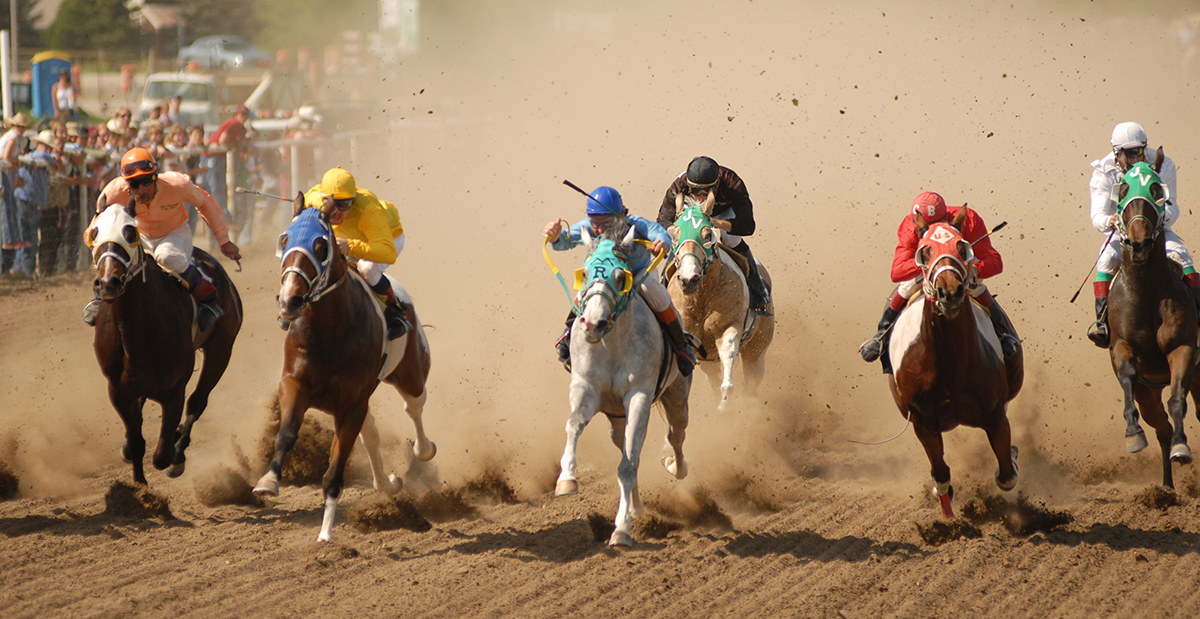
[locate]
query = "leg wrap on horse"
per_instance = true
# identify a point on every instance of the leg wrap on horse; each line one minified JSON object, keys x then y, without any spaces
{"x":760,"y":293}
{"x":201,"y":287}
{"x":683,"y":346}
{"x":393,"y":309}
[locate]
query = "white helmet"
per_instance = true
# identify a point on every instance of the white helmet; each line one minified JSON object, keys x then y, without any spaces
{"x":1128,"y":135}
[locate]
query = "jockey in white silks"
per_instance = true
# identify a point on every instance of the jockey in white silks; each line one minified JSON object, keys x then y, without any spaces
{"x":1129,"y":147}
{"x":604,"y":209}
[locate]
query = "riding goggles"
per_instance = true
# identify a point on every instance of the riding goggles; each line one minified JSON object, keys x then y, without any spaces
{"x":138,"y":182}
{"x":137,"y":168}
{"x":343,"y":205}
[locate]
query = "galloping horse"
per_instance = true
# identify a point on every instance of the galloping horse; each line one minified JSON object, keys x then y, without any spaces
{"x":621,"y":364}
{"x":1153,"y":322}
{"x":145,"y":340}
{"x":335,"y":354}
{"x":709,"y":288}
{"x":948,"y":366}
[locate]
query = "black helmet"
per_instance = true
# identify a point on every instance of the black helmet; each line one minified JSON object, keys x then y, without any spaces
{"x":702,"y":172}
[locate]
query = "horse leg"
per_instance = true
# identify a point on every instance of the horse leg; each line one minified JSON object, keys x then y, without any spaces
{"x":172,"y":412}
{"x":584,"y":404}
{"x":616,"y":433}
{"x":216,"y":359}
{"x":931,"y":440}
{"x":414,"y":405}
{"x":1000,"y":437}
{"x":637,"y":407}
{"x":346,"y":427}
{"x":675,"y":403}
{"x":1182,"y":375}
{"x":369,"y":435}
{"x":753,"y":370}
{"x":293,"y":403}
{"x":1122,"y":361}
{"x":1149,"y":401}
{"x":727,"y":349}
{"x":129,"y":408}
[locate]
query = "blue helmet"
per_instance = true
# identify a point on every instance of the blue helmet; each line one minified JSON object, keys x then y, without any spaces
{"x":605,"y":201}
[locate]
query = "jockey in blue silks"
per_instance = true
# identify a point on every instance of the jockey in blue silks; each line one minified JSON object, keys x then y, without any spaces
{"x":604,"y":209}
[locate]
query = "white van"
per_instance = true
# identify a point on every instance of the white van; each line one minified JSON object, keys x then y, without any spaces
{"x":200,"y":99}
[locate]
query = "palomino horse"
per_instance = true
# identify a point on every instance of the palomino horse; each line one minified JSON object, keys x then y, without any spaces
{"x":948,"y":366}
{"x":709,"y":289}
{"x":335,"y":354}
{"x":619,"y":364}
{"x":1153,"y":319}
{"x":145,"y":340}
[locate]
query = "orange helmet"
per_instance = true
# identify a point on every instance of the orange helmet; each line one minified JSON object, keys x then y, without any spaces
{"x":137,"y":162}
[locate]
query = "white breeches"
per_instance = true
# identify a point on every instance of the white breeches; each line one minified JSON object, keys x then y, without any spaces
{"x":372,"y":271}
{"x":654,"y":293}
{"x":1110,"y":252}
{"x":910,"y":287}
{"x":730,"y":240}
{"x":173,"y":250}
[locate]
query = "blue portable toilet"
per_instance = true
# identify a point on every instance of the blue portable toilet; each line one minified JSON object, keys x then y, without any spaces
{"x":46,"y":67}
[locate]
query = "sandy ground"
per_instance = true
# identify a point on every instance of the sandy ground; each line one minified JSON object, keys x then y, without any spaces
{"x":836,"y":116}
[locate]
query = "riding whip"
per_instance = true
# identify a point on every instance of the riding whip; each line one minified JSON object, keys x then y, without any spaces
{"x":609,"y":209}
{"x":1089,"y":275}
{"x":998,"y":227}
{"x":259,"y":193}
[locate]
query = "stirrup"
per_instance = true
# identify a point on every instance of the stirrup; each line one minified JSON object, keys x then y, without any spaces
{"x":1009,"y":344}
{"x":397,"y":322}
{"x":209,"y":312}
{"x":89,"y":312}
{"x":686,"y":362}
{"x":872,"y":348}
{"x":1098,"y":334}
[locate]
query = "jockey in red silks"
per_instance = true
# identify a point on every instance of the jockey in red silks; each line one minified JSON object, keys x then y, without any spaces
{"x":907,"y":274}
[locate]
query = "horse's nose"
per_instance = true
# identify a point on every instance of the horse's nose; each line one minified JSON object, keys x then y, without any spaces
{"x":107,"y":287}
{"x":293,"y":304}
{"x":602,"y":325}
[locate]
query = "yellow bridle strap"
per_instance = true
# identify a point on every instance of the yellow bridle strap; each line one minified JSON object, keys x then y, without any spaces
{"x":546,"y":255}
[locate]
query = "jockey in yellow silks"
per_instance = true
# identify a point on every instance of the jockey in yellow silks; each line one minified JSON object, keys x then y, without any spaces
{"x":367,"y":229}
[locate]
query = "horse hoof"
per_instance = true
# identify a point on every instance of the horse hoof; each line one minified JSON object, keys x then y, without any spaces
{"x":175,"y":470}
{"x":391,"y":485}
{"x":267,"y":487}
{"x":566,"y":487}
{"x":324,"y":537}
{"x":678,"y":468}
{"x":620,"y":538}
{"x":1181,"y":454}
{"x":423,"y":457}
{"x":1136,"y":443}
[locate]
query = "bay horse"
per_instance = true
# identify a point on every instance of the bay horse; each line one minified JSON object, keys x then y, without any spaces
{"x":620,"y":365}
{"x":709,"y":289}
{"x":335,"y":354}
{"x":1153,"y":322}
{"x":948,"y":366}
{"x":146,"y":342}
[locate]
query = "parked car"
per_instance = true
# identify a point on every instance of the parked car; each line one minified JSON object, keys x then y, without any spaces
{"x":224,"y":52}
{"x":199,"y":97}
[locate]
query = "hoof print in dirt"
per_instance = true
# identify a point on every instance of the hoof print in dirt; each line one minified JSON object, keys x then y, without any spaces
{"x":602,"y":527}
{"x":1020,"y":518}
{"x":938,"y":532}
{"x":126,"y":500}
{"x":9,"y":486}
{"x":1157,"y":497}
{"x":377,"y":513}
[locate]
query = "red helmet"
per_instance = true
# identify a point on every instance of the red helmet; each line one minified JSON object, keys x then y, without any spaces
{"x":930,"y":206}
{"x":137,"y":162}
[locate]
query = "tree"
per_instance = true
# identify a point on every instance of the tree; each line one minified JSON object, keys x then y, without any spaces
{"x":27,"y":30}
{"x":209,"y":17}
{"x":312,"y":23}
{"x":95,"y":25}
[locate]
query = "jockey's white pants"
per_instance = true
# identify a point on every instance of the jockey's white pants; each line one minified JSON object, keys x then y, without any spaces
{"x":1110,"y":252}
{"x":173,"y":250}
{"x":730,"y":240}
{"x":372,"y":271}
{"x":910,"y":287}
{"x":653,"y":292}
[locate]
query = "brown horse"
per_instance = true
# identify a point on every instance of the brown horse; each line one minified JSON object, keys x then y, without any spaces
{"x":335,"y":354}
{"x":145,"y":340}
{"x":948,"y":366}
{"x":1153,"y":321}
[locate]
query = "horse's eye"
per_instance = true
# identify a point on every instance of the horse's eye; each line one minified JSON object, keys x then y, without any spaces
{"x":321,"y":249}
{"x":706,"y":234}
{"x":91,"y":236}
{"x":131,"y":234}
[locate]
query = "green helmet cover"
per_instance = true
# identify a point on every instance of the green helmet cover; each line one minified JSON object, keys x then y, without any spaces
{"x":1140,"y":178}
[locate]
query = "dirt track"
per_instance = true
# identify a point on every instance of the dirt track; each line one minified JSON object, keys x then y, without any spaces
{"x":836,"y":118}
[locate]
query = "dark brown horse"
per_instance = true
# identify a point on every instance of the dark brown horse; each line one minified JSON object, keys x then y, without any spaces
{"x":1153,"y":322}
{"x":145,"y":341}
{"x":335,"y":355}
{"x":948,"y":366}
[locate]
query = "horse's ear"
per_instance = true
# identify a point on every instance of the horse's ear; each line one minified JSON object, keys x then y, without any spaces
{"x":922,"y":256}
{"x":678,"y":204}
{"x":1156,"y":192}
{"x":298,"y":204}
{"x":629,"y":236}
{"x":1158,"y":160}
{"x":957,"y":221}
{"x":673,"y":231}
{"x":101,"y":204}
{"x":709,"y":202}
{"x":1122,"y":191}
{"x":920,"y":225}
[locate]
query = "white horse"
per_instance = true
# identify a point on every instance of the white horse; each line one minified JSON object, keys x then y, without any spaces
{"x":617,"y":350}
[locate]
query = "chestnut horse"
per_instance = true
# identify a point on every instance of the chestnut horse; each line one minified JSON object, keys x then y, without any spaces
{"x":145,"y":339}
{"x":1153,"y":321}
{"x":335,"y":354}
{"x":948,"y":366}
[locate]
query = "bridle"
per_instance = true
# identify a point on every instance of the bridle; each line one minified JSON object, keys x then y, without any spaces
{"x":130,"y":256}
{"x":594,"y":279}
{"x":691,"y":224}
{"x":949,"y":246}
{"x":319,"y":284}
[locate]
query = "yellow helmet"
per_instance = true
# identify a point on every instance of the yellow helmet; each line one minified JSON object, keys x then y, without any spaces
{"x":338,"y":184}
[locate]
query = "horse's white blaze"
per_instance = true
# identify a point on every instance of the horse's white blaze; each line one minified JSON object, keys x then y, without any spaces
{"x":326,"y":533}
{"x":689,"y":267}
{"x":908,"y":328}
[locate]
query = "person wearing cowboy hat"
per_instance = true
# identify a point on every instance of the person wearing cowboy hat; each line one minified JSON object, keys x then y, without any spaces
{"x":32,"y":195}
{"x":12,"y":145}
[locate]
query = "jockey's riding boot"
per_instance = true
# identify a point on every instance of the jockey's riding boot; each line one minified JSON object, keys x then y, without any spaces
{"x":90,"y":310}
{"x":1195,"y":297}
{"x":563,"y":345}
{"x":680,"y":340}
{"x":872,"y":348}
{"x":760,"y":293}
{"x":1098,"y":332}
{"x":206,"y":296}
{"x":1009,"y":344}
{"x":393,"y":309}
